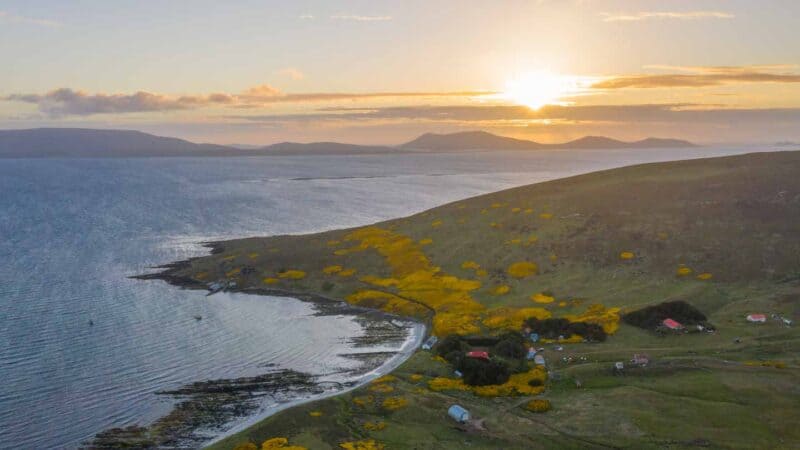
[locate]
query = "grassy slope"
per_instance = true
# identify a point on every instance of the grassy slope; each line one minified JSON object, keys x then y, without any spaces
{"x":734,"y":217}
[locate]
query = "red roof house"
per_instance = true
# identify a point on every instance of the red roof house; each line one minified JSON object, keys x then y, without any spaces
{"x":671,"y":324}
{"x":756,"y":318}
{"x":479,"y":355}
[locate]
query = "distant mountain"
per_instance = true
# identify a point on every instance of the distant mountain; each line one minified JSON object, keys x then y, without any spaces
{"x":80,"y":142}
{"x":324,"y":148}
{"x":474,"y":140}
{"x":89,"y":143}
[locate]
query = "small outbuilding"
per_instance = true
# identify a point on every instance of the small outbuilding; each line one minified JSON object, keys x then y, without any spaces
{"x":539,"y":360}
{"x":430,"y":343}
{"x":757,"y":318}
{"x":531,"y":353}
{"x":672,"y":324}
{"x":458,"y":413}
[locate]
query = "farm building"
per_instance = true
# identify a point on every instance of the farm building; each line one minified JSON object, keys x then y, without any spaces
{"x":478,"y":354}
{"x":672,"y":324}
{"x":757,"y":318}
{"x":539,"y":360}
{"x":640,"y":359}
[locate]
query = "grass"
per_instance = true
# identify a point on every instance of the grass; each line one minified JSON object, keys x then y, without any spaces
{"x":735,"y":218}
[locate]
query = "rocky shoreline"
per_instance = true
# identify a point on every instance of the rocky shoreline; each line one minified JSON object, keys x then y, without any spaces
{"x":204,"y":410}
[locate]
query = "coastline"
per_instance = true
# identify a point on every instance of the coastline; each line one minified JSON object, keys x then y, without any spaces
{"x":413,"y":343}
{"x":205,"y":427}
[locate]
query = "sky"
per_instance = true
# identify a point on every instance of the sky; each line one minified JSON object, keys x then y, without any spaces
{"x":379,"y":72}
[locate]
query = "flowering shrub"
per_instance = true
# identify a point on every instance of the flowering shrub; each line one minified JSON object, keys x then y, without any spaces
{"x":501,"y":290}
{"x":704,"y":276}
{"x":518,"y":384}
{"x":381,"y":388}
{"x":361,"y":445}
{"x":516,"y":210}
{"x":436,"y":223}
{"x":529,"y":211}
{"x":363,"y":400}
{"x":416,"y":377}
{"x":470,"y":265}
{"x":246,"y":446}
{"x":374,"y":426}
{"x":414,"y":277}
{"x":347,"y":272}
{"x":506,"y":318}
{"x":683,"y":271}
{"x":608,"y":318}
{"x":233,"y":272}
{"x":546,"y":216}
{"x":522,"y":269}
{"x":292,"y":274}
{"x":315,"y":414}
{"x":333,"y":243}
{"x":426,"y":241}
{"x":271,"y":280}
{"x":542,"y":298}
{"x":332,"y":269}
{"x":279,"y":443}
{"x":395,"y":403}
{"x":538,"y":405}
{"x":627,"y":255}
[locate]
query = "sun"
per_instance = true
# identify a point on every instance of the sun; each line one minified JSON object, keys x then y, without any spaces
{"x":536,"y":89}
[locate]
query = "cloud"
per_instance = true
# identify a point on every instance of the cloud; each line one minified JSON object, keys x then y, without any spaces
{"x":703,"y":76}
{"x":293,"y":73}
{"x":359,"y":18}
{"x":64,"y":101}
{"x":305,"y":17}
{"x":70,"y":102}
{"x":609,"y":114}
{"x":8,"y":17}
{"x":677,"y":15}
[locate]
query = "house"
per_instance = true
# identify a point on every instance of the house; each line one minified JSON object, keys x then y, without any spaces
{"x":458,"y":413}
{"x":671,"y":324}
{"x":756,"y":318}
{"x":534,"y":337}
{"x":478,"y":355}
{"x":640,"y":359}
{"x":430,"y":343}
{"x":539,"y":360}
{"x":531,"y":353}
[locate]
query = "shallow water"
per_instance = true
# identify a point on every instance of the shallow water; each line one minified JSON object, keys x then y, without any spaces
{"x":72,"y":231}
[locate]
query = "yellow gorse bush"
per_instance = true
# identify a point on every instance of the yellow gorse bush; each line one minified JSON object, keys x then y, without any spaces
{"x":683,"y":271}
{"x":292,"y":274}
{"x":332,"y":269}
{"x":705,"y":276}
{"x":542,"y":298}
{"x":414,"y":277}
{"x":522,"y":269}
{"x":361,"y":445}
{"x":506,"y":318}
{"x":375,"y":426}
{"x":387,"y":302}
{"x":538,"y":405}
{"x":394,"y":403}
{"x":608,"y":318}
{"x":501,"y":290}
{"x":315,"y":413}
{"x":518,"y":384}
{"x":271,"y":280}
{"x":279,"y":443}
{"x":627,"y":255}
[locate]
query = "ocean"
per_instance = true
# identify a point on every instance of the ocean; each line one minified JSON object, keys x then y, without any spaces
{"x":84,"y":348}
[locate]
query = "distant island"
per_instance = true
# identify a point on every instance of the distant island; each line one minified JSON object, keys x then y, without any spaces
{"x":473,"y":140}
{"x":92,"y":143}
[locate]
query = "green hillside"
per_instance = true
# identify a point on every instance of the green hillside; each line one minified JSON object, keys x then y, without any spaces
{"x":720,"y":234}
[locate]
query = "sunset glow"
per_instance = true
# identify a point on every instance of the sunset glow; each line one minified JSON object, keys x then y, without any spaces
{"x":536,"y":89}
